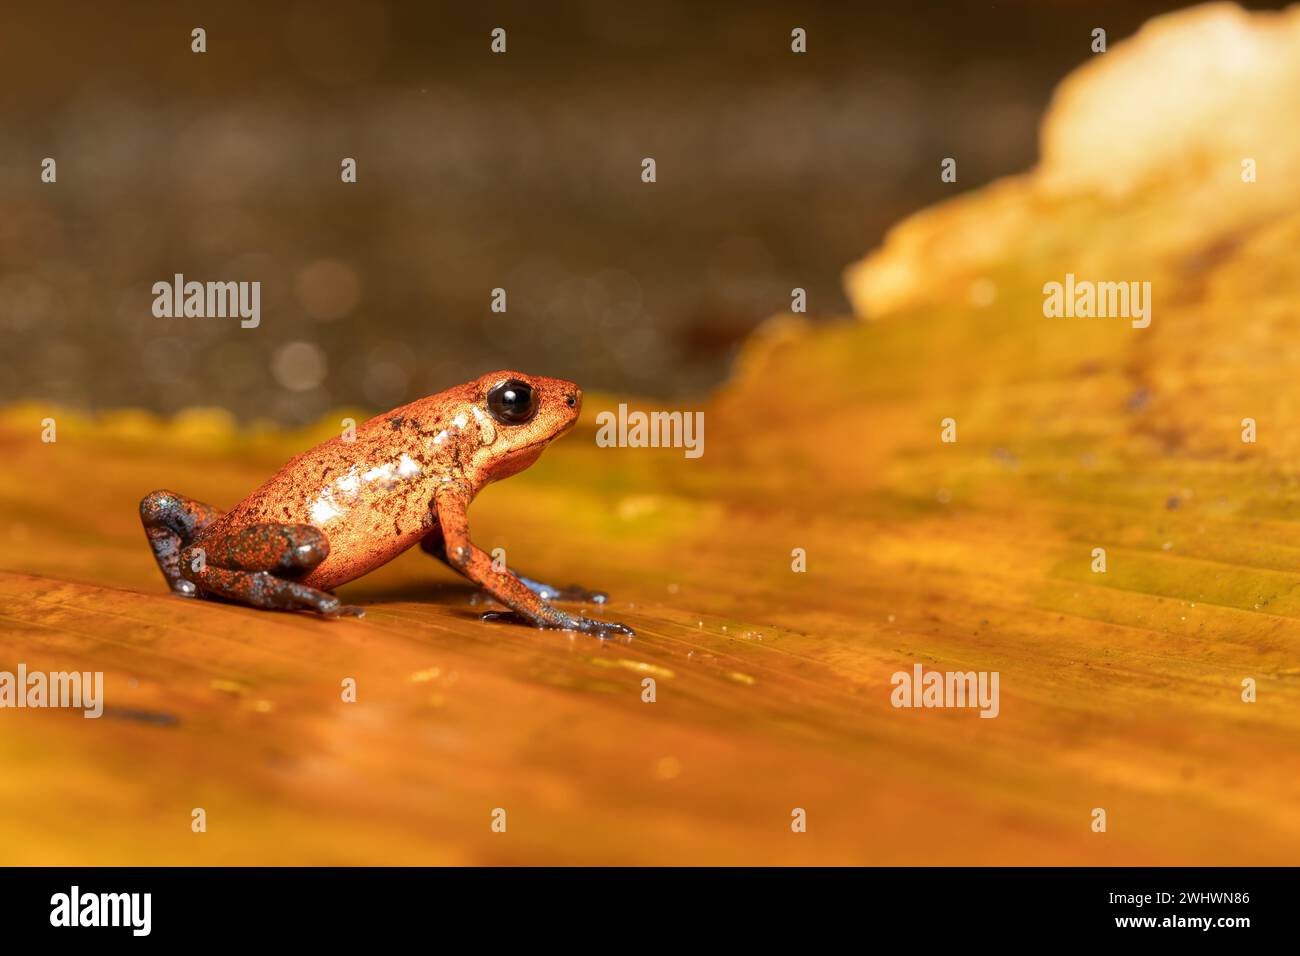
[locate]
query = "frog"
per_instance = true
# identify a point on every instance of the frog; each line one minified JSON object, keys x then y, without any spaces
{"x":352,"y":504}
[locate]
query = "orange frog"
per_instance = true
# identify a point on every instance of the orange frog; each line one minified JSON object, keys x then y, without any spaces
{"x":346,"y":507}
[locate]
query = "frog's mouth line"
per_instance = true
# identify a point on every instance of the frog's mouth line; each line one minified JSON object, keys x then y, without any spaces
{"x":573,"y":422}
{"x":525,"y":455}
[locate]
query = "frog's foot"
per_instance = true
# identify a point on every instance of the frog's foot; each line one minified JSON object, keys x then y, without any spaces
{"x":566,"y":622}
{"x":263,"y":589}
{"x":259,"y":565}
{"x":172,"y":522}
{"x":549,"y":592}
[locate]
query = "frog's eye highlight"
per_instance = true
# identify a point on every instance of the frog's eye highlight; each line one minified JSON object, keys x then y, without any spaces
{"x":513,"y":402}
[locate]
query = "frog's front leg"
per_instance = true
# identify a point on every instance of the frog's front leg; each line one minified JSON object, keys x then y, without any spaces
{"x":450,"y":503}
{"x":434,"y":544}
{"x":259,"y":565}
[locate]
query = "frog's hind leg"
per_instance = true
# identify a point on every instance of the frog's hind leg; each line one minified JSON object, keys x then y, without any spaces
{"x":434,"y":544}
{"x":264,"y":590}
{"x":260,"y":565}
{"x":172,"y":522}
{"x":574,"y":592}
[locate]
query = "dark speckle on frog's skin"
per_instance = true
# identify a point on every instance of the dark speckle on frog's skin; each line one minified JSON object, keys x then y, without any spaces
{"x":346,"y":507}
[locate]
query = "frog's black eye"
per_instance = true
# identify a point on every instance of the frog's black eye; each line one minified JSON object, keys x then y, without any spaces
{"x":513,"y":402}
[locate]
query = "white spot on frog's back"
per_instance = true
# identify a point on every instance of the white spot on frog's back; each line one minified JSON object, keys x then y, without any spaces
{"x":408,"y":467}
{"x":339,"y":496}
{"x":460,"y":422}
{"x":349,"y":484}
{"x":323,"y":511}
{"x":381,"y":475}
{"x":335,"y":498}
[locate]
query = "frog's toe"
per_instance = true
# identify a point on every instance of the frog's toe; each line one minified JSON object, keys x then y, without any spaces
{"x":601,"y":629}
{"x":606,"y":629}
{"x":184,"y":588}
{"x":563,"y":621}
{"x":336,"y":608}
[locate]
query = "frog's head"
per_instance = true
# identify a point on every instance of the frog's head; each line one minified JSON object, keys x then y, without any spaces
{"x":526,"y":413}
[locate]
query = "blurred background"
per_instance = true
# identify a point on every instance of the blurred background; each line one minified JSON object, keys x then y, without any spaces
{"x":476,"y":171}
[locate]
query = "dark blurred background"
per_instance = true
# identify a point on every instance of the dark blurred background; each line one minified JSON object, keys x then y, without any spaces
{"x":475,"y":171}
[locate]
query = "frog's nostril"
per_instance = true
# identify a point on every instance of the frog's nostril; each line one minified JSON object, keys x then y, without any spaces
{"x":570,"y":400}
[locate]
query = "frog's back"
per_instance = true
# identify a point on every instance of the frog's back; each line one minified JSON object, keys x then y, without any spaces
{"x":370,"y":496}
